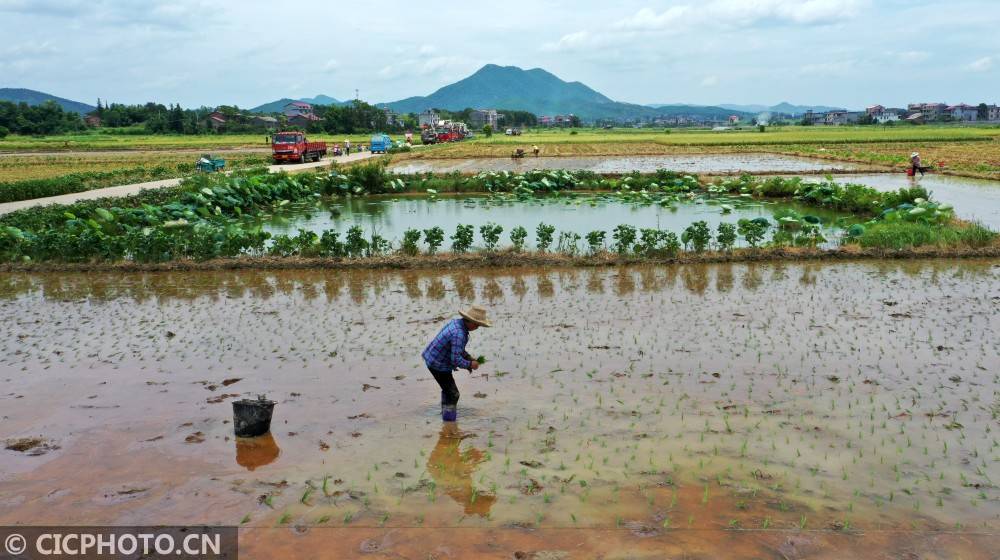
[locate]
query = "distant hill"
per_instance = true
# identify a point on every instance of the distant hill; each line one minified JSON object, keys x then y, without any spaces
{"x":32,"y":97}
{"x":534,"y":90}
{"x":783,"y":107}
{"x":277,"y":106}
{"x":703,"y":111}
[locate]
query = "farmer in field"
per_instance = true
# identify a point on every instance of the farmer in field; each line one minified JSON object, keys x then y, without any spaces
{"x":347,"y":147}
{"x":446,"y":353}
{"x":535,"y":149}
{"x":915,"y":163}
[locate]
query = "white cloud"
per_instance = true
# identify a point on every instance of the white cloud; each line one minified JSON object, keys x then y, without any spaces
{"x":427,"y":49}
{"x":648,"y":20}
{"x":331,"y":65}
{"x":571,"y":42}
{"x":710,"y":81}
{"x":789,"y":11}
{"x":982,"y":65}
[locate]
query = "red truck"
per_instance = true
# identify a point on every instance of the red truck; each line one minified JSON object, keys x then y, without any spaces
{"x":294,"y":146}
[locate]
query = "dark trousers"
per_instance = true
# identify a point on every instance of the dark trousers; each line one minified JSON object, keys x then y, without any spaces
{"x":449,"y":391}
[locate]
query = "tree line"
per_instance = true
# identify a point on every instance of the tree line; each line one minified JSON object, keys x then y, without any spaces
{"x":356,"y":117}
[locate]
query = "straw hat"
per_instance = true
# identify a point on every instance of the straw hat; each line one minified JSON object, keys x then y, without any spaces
{"x":477,"y":315}
{"x":914,"y":154}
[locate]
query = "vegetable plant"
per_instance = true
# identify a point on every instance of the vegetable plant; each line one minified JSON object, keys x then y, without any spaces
{"x":543,"y":236}
{"x":410,"y":239}
{"x":434,"y":238}
{"x":697,"y":236}
{"x":461,"y":241}
{"x":517,"y":236}
{"x":491,"y":235}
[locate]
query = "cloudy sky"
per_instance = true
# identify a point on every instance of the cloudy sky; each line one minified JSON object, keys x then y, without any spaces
{"x":207,"y":52}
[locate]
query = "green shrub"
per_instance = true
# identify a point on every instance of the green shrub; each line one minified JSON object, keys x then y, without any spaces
{"x":517,"y":236}
{"x":491,"y":235}
{"x":753,"y":231}
{"x":595,"y":240}
{"x":725,"y":236}
{"x":434,"y":238}
{"x":543,"y":236}
{"x":461,"y":241}
{"x":330,"y":244}
{"x":624,"y":236}
{"x":355,"y":244}
{"x":697,"y":236}
{"x":410,"y":239}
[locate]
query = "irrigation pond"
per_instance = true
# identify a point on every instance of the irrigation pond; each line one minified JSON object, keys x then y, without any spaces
{"x":745,"y":410}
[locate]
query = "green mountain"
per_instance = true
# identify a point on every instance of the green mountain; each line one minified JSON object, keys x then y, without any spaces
{"x":279,"y":105}
{"x":535,"y":90}
{"x":698,"y":111}
{"x":783,"y":107}
{"x":32,"y":97}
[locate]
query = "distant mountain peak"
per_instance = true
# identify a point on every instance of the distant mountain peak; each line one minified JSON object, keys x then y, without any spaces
{"x":32,"y":97}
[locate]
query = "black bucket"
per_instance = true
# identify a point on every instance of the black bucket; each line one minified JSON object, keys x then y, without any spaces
{"x":252,"y":418}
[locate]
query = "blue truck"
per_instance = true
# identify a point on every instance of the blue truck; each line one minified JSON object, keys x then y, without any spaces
{"x":380,"y":144}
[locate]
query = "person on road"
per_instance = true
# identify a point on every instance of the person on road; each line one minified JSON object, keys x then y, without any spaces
{"x":446,"y":353}
{"x":347,"y":147}
{"x":915,"y":165}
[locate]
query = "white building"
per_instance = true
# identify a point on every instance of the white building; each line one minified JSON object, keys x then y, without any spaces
{"x":428,"y":119}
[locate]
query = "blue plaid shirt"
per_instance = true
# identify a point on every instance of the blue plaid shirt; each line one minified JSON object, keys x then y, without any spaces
{"x":447,"y":351}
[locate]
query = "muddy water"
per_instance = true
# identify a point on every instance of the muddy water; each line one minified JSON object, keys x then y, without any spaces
{"x":575,"y":212}
{"x":973,"y":199}
{"x":693,"y":163}
{"x":656,"y":407}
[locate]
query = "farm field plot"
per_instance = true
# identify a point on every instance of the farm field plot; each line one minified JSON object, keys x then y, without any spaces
{"x":691,"y":163}
{"x":759,"y":410}
{"x":18,"y":167}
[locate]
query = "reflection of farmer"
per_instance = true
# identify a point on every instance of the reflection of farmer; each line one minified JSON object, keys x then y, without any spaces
{"x":446,"y":353}
{"x":915,"y":165}
{"x":452,"y":470}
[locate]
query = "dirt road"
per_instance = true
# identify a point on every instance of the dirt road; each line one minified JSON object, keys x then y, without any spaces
{"x":125,"y":190}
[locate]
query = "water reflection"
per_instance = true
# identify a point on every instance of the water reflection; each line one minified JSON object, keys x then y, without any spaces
{"x":362,"y":286}
{"x":451,"y":468}
{"x":255,"y":452}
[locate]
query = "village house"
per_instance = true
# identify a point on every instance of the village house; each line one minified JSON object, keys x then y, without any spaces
{"x":216,"y":120}
{"x":92,"y":121}
{"x":963,"y":112}
{"x":391,"y":117}
{"x":482,"y":117}
{"x":267,"y":123}
{"x":993,"y":113}
{"x":297,"y":108}
{"x":303,"y":120}
{"x":428,"y":119}
{"x":843,"y":117}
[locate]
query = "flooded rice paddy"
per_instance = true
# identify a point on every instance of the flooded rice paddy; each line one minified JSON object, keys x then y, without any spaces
{"x":691,"y":163}
{"x":571,"y":212}
{"x":766,"y":411}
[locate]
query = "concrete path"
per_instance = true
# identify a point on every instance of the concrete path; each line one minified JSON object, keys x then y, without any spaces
{"x":125,"y":190}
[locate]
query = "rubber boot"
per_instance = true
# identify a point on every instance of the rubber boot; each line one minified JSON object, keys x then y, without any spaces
{"x":449,"y":412}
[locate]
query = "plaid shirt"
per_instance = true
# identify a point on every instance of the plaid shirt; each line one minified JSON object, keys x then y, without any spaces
{"x":447,"y":351}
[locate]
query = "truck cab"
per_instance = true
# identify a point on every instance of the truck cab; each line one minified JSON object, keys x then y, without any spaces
{"x":293,"y":146}
{"x":380,"y":144}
